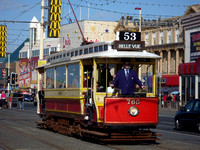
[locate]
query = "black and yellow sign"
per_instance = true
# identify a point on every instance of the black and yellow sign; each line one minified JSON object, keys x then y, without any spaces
{"x":54,"y":18}
{"x":3,"y":40}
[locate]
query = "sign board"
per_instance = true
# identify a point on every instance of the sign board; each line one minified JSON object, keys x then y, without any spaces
{"x":4,"y":73}
{"x":41,"y":62}
{"x":195,"y":45}
{"x":129,"y":36}
{"x":129,"y":45}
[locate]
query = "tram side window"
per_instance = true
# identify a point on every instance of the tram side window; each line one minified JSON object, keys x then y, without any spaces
{"x":60,"y":77}
{"x":73,"y":76}
{"x":50,"y":78}
{"x":101,"y":79}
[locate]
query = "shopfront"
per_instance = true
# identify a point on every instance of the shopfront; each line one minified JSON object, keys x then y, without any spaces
{"x":189,"y":79}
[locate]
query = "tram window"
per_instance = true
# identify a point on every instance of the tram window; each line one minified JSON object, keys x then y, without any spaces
{"x":96,"y":49}
{"x":57,"y":57}
{"x":50,"y":78}
{"x":63,"y":55}
{"x":100,"y":48}
{"x":60,"y":56}
{"x":81,"y":52}
{"x":86,"y":51}
{"x":73,"y":76}
{"x":76,"y":53}
{"x":72,"y":54}
{"x":60,"y":77}
{"x":67,"y":54}
{"x":91,"y":50}
{"x":105,"y":47}
{"x":48,"y":60}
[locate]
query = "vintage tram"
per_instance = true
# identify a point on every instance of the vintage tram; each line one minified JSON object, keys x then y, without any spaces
{"x":78,"y":99}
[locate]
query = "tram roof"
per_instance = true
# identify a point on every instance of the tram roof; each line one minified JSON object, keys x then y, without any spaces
{"x":109,"y":53}
{"x":118,"y":54}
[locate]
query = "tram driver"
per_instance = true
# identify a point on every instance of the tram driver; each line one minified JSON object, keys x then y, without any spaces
{"x":125,"y":80}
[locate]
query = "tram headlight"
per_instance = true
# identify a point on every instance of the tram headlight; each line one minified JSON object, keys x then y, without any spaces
{"x":133,"y":111}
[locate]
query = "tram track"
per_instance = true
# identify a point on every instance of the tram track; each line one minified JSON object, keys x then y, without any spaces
{"x":26,"y":135}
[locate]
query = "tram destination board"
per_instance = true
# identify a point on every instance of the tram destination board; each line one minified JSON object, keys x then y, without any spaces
{"x":129,"y":45}
{"x":129,"y":36}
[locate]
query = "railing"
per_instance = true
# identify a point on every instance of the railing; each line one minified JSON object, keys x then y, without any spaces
{"x":172,"y":104}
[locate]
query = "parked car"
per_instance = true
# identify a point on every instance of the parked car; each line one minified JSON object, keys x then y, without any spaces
{"x":188,"y":116}
{"x":28,"y":98}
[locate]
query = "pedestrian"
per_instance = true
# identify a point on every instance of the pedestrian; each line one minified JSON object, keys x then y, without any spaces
{"x":10,"y":102}
{"x":125,"y":80}
{"x":3,"y":100}
{"x":165,"y":99}
{"x":21,"y":101}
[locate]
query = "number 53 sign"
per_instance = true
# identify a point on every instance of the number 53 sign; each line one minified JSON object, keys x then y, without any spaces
{"x":129,"y":36}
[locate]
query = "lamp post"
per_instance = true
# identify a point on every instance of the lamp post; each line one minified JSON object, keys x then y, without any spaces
{"x":140,"y":17}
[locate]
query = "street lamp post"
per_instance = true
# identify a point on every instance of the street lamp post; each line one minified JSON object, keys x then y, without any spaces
{"x":140,"y":18}
{"x":41,"y":55}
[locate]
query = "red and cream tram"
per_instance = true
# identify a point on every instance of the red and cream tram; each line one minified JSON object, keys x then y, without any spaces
{"x":79,"y":101}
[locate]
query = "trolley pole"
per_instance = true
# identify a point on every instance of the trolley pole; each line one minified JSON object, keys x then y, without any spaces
{"x":41,"y":55}
{"x":140,"y":28}
{"x":8,"y":74}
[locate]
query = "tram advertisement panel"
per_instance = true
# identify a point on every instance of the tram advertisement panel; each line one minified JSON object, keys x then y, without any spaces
{"x":195,"y":45}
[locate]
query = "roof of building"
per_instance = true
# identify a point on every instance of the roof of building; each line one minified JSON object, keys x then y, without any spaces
{"x":192,"y":9}
{"x":15,"y":55}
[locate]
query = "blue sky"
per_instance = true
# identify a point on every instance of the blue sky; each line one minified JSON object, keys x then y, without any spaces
{"x":106,"y":10}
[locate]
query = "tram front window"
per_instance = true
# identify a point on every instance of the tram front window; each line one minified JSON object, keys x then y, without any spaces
{"x":103,"y":80}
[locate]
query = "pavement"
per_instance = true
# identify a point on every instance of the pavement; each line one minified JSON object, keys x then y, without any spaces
{"x":167,"y":111}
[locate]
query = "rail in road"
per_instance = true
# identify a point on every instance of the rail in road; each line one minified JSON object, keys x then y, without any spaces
{"x":18,"y":131}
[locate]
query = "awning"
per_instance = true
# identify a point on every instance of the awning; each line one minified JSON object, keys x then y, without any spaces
{"x":170,"y":80}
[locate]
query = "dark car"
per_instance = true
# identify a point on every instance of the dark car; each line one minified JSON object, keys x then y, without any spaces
{"x":28,"y":98}
{"x":188,"y":116}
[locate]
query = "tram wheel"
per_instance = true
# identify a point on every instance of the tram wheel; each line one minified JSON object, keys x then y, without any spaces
{"x":178,"y":125}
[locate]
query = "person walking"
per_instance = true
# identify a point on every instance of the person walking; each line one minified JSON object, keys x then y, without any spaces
{"x":21,"y":101}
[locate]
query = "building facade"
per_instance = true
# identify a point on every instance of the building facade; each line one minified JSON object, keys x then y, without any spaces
{"x":189,"y":71}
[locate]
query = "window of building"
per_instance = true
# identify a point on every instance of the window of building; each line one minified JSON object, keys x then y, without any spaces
{"x":50,"y":78}
{"x":146,"y":39}
{"x":161,"y":37}
{"x":24,"y":55}
{"x":154,"y":38}
{"x":169,"y":36}
{"x":60,"y":77}
{"x":35,"y":53}
{"x":46,"y":51}
{"x":73,"y":76}
{"x":177,"y":35}
{"x":53,"y":49}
